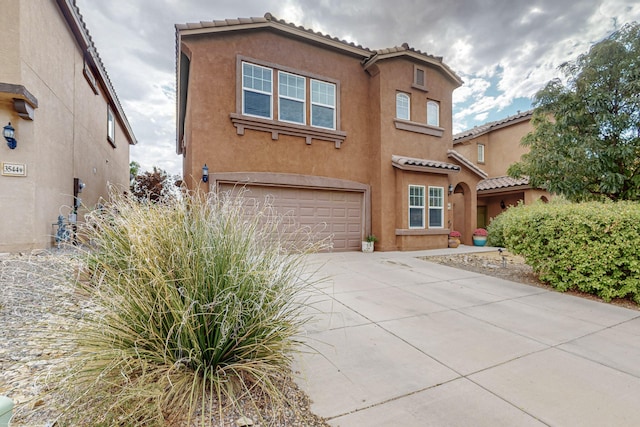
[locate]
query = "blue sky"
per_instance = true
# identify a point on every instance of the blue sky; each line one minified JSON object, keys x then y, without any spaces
{"x":504,"y":50}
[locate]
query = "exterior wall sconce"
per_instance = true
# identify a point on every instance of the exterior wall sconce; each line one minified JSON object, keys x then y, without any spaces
{"x":502,"y":205}
{"x":205,"y":173}
{"x":9,"y":133}
{"x":450,"y":189}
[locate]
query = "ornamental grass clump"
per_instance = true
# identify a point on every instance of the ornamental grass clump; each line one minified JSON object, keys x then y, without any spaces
{"x":198,"y":301}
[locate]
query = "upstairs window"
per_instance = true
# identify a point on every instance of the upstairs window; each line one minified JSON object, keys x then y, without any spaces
{"x":111,"y":127}
{"x":323,"y":104}
{"x":257,"y":90}
{"x":403,"y":106}
{"x":291,"y":96}
{"x":419,"y":78}
{"x":436,"y":207}
{"x":286,"y":101}
{"x":416,"y":206}
{"x":433,"y":113}
{"x":480,"y":153}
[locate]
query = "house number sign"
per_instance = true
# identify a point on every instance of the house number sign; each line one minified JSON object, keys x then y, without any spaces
{"x":14,"y":169}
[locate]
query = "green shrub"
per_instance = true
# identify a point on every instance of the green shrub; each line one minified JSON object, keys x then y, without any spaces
{"x":197,"y":301}
{"x":591,"y":247}
{"x":496,"y":231}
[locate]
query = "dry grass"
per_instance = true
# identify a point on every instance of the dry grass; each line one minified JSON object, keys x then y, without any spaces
{"x":192,"y":308}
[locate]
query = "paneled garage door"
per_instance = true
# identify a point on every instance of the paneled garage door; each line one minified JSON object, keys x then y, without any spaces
{"x":338,"y":214}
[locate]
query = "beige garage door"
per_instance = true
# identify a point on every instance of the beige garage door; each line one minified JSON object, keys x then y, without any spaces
{"x":327,"y":213}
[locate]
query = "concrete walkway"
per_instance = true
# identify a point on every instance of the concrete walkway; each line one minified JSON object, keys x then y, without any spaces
{"x":405,"y":342}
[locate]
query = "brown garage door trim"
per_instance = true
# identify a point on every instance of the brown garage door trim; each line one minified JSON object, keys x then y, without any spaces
{"x":296,"y":181}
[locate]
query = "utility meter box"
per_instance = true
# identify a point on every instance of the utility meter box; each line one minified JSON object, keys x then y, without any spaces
{"x":6,"y":410}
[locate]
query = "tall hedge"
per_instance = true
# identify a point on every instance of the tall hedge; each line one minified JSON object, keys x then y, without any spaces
{"x":592,"y":247}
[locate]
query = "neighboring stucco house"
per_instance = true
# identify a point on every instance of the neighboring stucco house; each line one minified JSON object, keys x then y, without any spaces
{"x":69,"y":124}
{"x":346,"y":139}
{"x":493,"y":147}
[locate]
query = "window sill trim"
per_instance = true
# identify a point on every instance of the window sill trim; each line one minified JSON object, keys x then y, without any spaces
{"x":419,"y":87}
{"x":418,"y":127}
{"x":242,"y":122}
{"x":421,"y":231}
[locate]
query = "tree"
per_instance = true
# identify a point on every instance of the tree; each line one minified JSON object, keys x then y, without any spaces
{"x":586,"y":139}
{"x":134,"y":169}
{"x":152,"y":186}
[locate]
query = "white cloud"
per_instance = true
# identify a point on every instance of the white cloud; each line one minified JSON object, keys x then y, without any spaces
{"x":503,"y":52}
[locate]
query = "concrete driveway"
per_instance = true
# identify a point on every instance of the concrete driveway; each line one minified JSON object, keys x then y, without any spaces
{"x":405,"y":342}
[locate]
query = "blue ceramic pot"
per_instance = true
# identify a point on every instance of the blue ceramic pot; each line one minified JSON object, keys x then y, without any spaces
{"x":479,"y":240}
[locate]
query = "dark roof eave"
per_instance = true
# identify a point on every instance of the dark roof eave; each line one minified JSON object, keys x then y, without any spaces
{"x":420,"y":57}
{"x":73,"y":17}
{"x":504,"y":190}
{"x":426,"y":169}
{"x":467,"y":163}
{"x":491,"y":126}
{"x":423,"y":165}
{"x":272,"y":23}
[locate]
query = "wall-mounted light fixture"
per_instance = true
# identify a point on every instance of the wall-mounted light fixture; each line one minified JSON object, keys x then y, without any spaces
{"x":9,"y":132}
{"x":502,"y":205}
{"x":450,"y":189}
{"x":205,"y":173}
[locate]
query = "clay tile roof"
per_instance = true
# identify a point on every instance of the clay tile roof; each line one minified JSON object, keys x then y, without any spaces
{"x":466,"y":162}
{"x":402,"y":162}
{"x":501,"y":182}
{"x":405,"y":49}
{"x":368,"y":55}
{"x":267,"y":19}
{"x":482,"y":129}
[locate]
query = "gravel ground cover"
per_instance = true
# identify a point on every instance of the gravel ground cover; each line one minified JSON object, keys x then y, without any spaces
{"x":506,"y":265}
{"x":39,"y":303}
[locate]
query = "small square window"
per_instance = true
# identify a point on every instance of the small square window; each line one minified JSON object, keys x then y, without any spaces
{"x":419,"y":78}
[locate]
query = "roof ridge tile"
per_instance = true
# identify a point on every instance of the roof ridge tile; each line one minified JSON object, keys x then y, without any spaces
{"x":485,"y":127}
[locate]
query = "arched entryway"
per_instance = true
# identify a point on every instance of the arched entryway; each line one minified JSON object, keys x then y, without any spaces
{"x":463,"y":217}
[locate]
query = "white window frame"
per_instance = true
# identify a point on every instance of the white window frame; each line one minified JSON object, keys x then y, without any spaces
{"x":403,"y":103}
{"x":480,"y":153}
{"x":111,"y":126}
{"x":433,"y":107}
{"x":416,"y":206}
{"x":435,"y":208}
{"x":322,"y":104}
{"x":302,"y":100}
{"x":262,"y":92}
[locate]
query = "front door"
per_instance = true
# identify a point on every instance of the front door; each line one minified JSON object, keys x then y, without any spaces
{"x":482,"y":216}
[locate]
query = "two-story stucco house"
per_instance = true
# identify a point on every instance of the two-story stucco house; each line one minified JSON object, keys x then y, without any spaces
{"x":493,"y":147}
{"x":346,"y":140}
{"x":69,"y":126}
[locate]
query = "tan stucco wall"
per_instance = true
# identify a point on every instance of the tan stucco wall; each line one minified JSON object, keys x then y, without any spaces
{"x":502,"y":148}
{"x":210,"y":105}
{"x":397,"y":75}
{"x":9,"y":48}
{"x":66,"y":139}
{"x":367,"y":103}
